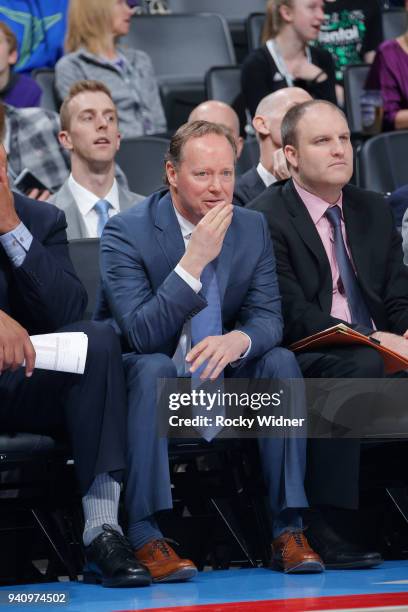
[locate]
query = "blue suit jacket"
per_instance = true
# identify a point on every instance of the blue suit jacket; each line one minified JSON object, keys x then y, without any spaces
{"x":248,"y":186}
{"x":140,"y":248}
{"x":44,"y":292}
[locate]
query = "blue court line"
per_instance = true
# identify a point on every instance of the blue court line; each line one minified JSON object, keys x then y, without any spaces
{"x":220,"y":587}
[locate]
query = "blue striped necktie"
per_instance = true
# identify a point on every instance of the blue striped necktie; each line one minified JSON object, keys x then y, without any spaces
{"x":358,"y":308}
{"x":208,"y":322}
{"x":102,"y":209}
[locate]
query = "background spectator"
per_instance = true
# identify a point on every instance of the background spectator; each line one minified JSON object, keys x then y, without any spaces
{"x":31,"y":142}
{"x":16,"y":89}
{"x":389,"y":74}
{"x":216,"y":111}
{"x":39,"y":26}
{"x":89,"y":131}
{"x":93,"y":29}
{"x":286,"y":59}
{"x":272,"y":161}
{"x":351,"y":31}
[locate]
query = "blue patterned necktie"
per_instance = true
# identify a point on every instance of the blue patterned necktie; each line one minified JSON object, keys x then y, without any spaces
{"x":207,"y":322}
{"x":358,"y":308}
{"x":102,"y":209}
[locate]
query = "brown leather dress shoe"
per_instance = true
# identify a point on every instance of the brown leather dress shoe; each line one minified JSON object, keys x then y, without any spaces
{"x":163,"y":563}
{"x":291,"y":553}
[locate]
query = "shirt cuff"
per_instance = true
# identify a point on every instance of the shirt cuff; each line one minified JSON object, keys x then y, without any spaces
{"x":16,"y":244}
{"x":235,"y":363}
{"x":188,"y":278}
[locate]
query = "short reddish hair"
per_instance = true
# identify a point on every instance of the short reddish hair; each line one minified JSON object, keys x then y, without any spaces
{"x":10,"y":36}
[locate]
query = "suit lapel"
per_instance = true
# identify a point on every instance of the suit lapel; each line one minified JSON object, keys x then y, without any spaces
{"x":76,"y":225}
{"x":309,"y":235}
{"x":126,"y":198}
{"x":356,"y":228}
{"x":223,"y":263}
{"x":168,"y":231}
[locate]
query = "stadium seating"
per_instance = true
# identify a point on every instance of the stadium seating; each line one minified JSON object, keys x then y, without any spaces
{"x":84,"y":254}
{"x":182,"y":48}
{"x":354,"y":81}
{"x":223,"y":83}
{"x":142,"y":160}
{"x":394,"y":23}
{"x":232,"y":10}
{"x":45,"y":79}
{"x":254,"y":27}
{"x":382,"y":162}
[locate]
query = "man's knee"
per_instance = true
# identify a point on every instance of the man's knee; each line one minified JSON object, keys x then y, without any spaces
{"x":142,"y":374}
{"x":280,"y":362}
{"x":366,"y":362}
{"x":150,"y":367}
{"x":102,"y":340}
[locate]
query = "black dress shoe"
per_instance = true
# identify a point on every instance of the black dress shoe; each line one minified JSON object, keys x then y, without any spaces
{"x":111,"y":561}
{"x":335,"y":552}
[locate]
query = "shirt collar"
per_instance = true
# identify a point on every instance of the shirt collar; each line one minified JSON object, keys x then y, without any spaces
{"x":86,"y":200}
{"x":267,"y":177}
{"x":316,"y":206}
{"x":186,"y":226}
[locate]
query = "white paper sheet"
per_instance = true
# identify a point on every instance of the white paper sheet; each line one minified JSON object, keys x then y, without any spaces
{"x":61,"y":352}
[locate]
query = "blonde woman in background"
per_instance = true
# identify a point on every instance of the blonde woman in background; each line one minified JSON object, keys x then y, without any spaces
{"x":94,"y":27}
{"x":286,"y":59}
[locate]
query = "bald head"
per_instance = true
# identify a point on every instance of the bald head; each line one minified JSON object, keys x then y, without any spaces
{"x":272,"y":109}
{"x":218,"y":112}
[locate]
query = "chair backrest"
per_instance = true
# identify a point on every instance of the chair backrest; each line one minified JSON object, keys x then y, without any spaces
{"x":383,"y":162}
{"x":183,"y":46}
{"x":232,"y":10}
{"x":249,"y":156}
{"x":84,"y":255}
{"x":45,"y":79}
{"x":223,"y":83}
{"x":394,"y":23}
{"x":142,"y":160}
{"x":254,"y":27}
{"x":354,"y":81}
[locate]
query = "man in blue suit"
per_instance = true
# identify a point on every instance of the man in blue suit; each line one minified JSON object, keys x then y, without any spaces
{"x":40,"y":293}
{"x":191,"y":282}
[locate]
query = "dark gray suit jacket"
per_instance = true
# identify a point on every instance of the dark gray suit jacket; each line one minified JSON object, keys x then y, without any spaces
{"x":64,"y":200}
{"x":248,"y":186}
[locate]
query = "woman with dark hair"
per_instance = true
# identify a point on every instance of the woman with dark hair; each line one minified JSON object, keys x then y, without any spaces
{"x":94,"y":27}
{"x":287,"y":58}
{"x":389,"y":74}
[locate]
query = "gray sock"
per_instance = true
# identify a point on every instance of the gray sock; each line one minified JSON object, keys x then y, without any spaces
{"x":100,"y":506}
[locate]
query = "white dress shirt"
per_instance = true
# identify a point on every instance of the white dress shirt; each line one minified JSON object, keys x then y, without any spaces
{"x":86,"y":200}
{"x":267,"y":177}
{"x":184,"y":345}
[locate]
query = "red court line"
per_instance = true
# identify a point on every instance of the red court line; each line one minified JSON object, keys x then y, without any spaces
{"x":372,"y":600}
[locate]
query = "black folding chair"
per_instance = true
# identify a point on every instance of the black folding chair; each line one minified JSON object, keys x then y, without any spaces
{"x":45,"y":79}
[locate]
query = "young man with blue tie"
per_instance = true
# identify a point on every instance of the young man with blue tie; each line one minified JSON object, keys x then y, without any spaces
{"x":90,"y":132}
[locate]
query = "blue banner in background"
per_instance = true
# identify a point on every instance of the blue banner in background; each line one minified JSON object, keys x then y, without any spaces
{"x":40,"y":29}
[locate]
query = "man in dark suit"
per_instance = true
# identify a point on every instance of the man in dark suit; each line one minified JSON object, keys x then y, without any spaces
{"x":339,"y":259}
{"x":40,"y":293}
{"x":191,"y":282}
{"x":272,"y":162}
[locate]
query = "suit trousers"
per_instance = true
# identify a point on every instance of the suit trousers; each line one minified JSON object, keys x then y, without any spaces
{"x":333,"y":465}
{"x":90,"y":408}
{"x":148,"y":480}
